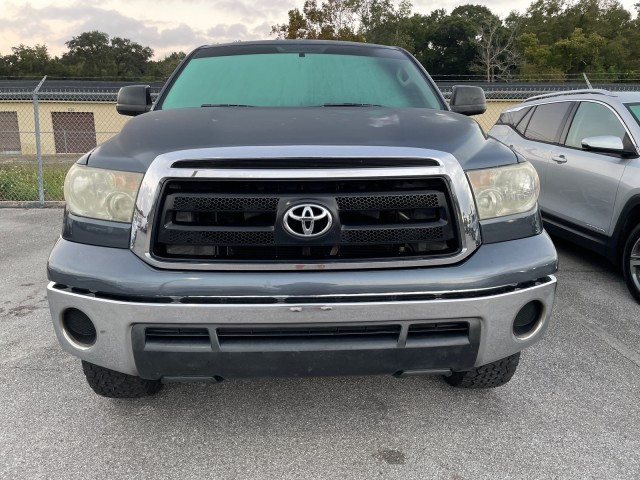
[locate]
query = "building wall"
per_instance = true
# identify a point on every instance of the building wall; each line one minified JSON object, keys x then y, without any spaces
{"x":107,"y":121}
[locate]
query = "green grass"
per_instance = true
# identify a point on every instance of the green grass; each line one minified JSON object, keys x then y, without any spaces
{"x":19,"y":181}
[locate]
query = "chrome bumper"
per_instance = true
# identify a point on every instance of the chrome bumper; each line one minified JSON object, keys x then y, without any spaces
{"x":114,"y":320}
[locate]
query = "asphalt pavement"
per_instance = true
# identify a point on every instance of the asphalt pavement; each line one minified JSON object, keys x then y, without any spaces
{"x":571,"y":411}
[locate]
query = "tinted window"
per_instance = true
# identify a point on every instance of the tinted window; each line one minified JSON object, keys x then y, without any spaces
{"x":593,"y":120}
{"x":524,"y":121}
{"x":547,"y":120}
{"x":512,"y":117}
{"x":302,"y":78}
{"x":635,"y":109}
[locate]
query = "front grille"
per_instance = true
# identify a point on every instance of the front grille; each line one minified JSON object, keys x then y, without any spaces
{"x":308,"y":337}
{"x":424,"y":333}
{"x":171,"y":336}
{"x":382,"y":202}
{"x":199,"y":203}
{"x":305,"y":338}
{"x":241,"y":221}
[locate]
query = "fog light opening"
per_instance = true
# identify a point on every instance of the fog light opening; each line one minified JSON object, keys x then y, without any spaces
{"x":528,"y":319}
{"x":79,"y":327}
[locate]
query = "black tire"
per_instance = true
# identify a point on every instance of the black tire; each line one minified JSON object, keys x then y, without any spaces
{"x":487,"y":376}
{"x":630,"y":255}
{"x":112,"y":384}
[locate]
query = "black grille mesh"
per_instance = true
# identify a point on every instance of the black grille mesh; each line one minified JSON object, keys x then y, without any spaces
{"x":384,"y":202}
{"x":393,"y":235}
{"x":178,"y":237}
{"x":202,"y":204}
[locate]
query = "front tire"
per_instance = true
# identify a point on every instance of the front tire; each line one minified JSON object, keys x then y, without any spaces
{"x":487,"y":376}
{"x":631,"y":263}
{"x":112,"y":384}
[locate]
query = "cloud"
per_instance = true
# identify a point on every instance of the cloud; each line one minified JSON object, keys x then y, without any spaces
{"x":55,"y":25}
{"x":180,"y":35}
{"x":263,"y":30}
{"x":223,"y":33}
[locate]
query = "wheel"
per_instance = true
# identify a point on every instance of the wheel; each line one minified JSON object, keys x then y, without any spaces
{"x":112,"y":384}
{"x":631,"y":262}
{"x":487,"y":376}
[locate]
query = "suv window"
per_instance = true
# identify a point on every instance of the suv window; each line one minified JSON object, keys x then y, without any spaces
{"x":547,"y":120}
{"x":513,"y":117}
{"x":635,"y":109}
{"x":593,"y":120}
{"x":524,"y":121}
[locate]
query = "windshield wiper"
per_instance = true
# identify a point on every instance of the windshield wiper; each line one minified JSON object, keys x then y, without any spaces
{"x":350,"y":105}
{"x":224,"y":105}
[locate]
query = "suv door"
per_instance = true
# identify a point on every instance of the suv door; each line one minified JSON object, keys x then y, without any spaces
{"x":538,"y":133}
{"x":581,"y":186}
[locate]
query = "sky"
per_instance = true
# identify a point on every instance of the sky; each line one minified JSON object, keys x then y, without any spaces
{"x":170,"y":25}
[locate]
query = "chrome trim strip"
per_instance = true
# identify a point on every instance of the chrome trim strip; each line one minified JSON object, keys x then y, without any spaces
{"x":161,"y":170}
{"x":375,"y":297}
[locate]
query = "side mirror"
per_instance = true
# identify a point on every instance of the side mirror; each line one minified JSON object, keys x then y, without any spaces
{"x":606,"y":144}
{"x":468,"y":100}
{"x":134,"y":100}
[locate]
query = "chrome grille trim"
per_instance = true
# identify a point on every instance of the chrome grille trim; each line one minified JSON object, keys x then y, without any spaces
{"x":448,"y":168}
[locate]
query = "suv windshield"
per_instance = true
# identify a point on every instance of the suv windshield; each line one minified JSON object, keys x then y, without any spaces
{"x":300,"y":75}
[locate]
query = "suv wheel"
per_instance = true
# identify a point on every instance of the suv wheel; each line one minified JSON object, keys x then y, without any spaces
{"x":487,"y":376}
{"x":112,"y":384}
{"x":631,"y":262}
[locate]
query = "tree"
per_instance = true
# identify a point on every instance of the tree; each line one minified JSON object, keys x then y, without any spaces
{"x":94,"y":54}
{"x":89,"y":52}
{"x":580,"y":53}
{"x":165,"y":67}
{"x":333,"y":20}
{"x":381,"y":22}
{"x":537,"y":59}
{"x":27,"y":61}
{"x":451,"y":46}
{"x":498,"y":55}
{"x":130,"y":58}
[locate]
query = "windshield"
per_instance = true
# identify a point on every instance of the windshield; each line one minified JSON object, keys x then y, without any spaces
{"x":635,"y":110}
{"x":267,"y":76}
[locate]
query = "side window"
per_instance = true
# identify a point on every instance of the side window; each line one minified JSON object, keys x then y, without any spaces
{"x":524,"y":121}
{"x":593,"y":120}
{"x":513,"y":117}
{"x":546,"y":123}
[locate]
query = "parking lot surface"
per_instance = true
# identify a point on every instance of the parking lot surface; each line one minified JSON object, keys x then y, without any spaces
{"x":571,"y":411}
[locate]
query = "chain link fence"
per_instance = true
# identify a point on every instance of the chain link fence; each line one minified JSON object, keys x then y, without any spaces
{"x":46,"y":125}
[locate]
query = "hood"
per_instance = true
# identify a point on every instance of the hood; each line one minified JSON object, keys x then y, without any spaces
{"x":145,"y":137}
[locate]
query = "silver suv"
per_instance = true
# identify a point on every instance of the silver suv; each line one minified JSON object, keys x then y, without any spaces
{"x":585,"y":145}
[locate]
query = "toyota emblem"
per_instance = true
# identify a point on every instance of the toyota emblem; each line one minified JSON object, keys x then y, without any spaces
{"x":307,"y":220}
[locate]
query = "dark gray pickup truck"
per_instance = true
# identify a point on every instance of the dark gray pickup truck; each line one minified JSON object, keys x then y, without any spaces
{"x":299,"y":208}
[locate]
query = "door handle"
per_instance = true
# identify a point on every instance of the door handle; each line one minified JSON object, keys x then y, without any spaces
{"x":559,"y":159}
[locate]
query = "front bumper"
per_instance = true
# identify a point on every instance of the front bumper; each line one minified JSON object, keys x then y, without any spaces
{"x":120,"y":342}
{"x":123,"y":296}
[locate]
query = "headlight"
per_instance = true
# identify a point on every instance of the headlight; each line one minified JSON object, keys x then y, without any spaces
{"x":506,"y":190}
{"x":98,"y":193}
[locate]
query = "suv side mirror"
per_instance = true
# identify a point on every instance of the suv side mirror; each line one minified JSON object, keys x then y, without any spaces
{"x":134,"y":100}
{"x":606,"y":144}
{"x":468,"y":100}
